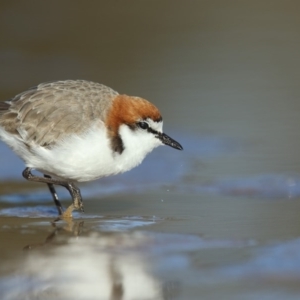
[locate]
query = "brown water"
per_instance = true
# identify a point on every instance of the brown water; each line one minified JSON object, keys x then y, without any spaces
{"x":219,"y":220}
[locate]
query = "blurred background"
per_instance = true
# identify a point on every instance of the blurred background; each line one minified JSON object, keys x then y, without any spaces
{"x":226,"y":68}
{"x":225,"y":75}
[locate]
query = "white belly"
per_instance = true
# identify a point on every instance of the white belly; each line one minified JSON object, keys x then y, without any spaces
{"x":87,"y":156}
{"x":78,"y":158}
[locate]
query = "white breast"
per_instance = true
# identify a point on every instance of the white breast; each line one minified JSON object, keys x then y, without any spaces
{"x":85,"y":157}
{"x":80,"y":158}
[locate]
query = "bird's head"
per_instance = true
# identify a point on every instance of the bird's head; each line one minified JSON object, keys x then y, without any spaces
{"x":136,"y":123}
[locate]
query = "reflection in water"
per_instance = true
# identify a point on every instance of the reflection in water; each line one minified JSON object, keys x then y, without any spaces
{"x":97,"y":267}
{"x":74,"y":227}
{"x":87,"y":264}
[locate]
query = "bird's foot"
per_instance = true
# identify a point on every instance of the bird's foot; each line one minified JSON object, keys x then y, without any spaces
{"x":77,"y":205}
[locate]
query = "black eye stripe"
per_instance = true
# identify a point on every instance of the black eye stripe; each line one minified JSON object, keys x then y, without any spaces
{"x":145,"y":126}
{"x":152,"y":130}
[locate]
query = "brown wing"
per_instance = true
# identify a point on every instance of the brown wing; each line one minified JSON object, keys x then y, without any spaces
{"x":49,"y":112}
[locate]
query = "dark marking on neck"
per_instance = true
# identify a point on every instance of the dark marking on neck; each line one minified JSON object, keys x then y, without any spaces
{"x":117,"y":144}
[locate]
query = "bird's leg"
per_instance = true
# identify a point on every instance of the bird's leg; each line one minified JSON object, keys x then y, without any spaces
{"x":73,"y":190}
{"x":54,"y":195}
{"x":76,"y":197}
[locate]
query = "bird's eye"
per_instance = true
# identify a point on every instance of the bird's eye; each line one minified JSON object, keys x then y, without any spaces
{"x":143,"y":125}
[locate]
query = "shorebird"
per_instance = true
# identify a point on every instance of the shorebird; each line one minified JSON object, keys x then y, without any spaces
{"x":76,"y":130}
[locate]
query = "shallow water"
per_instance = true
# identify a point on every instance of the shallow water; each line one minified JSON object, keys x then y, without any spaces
{"x":217,"y":220}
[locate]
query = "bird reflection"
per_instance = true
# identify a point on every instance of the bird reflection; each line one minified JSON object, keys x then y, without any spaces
{"x":92,"y":264}
{"x":68,"y":225}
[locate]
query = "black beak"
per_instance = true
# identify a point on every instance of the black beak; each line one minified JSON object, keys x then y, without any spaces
{"x":165,"y":139}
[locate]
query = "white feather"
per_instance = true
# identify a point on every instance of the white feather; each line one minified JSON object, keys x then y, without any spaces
{"x":88,"y":156}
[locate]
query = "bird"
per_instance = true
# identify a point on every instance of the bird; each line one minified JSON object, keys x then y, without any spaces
{"x":75,"y":131}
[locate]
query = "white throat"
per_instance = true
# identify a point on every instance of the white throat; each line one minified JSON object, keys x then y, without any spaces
{"x":137,"y":144}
